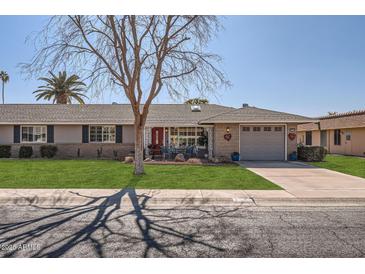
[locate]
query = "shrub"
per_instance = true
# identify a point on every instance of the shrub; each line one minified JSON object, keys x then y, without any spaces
{"x":25,"y":152}
{"x":5,"y":151}
{"x":311,"y":154}
{"x":48,"y":151}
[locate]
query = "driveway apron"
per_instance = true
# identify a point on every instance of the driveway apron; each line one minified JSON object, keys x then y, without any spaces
{"x":305,"y":181}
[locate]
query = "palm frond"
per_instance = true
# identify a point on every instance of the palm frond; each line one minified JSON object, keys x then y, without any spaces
{"x":60,"y":87}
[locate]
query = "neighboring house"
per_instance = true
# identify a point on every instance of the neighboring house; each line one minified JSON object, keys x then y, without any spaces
{"x":81,"y":130}
{"x":342,"y":133}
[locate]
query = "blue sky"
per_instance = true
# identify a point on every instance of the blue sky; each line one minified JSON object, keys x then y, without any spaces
{"x":301,"y":64}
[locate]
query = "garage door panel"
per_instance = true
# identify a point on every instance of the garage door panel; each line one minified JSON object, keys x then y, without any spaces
{"x":262,"y":145}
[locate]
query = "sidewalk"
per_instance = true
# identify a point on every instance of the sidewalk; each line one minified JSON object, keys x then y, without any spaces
{"x":69,"y":197}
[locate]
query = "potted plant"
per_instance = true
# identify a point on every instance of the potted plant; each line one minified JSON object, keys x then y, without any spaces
{"x":235,"y":156}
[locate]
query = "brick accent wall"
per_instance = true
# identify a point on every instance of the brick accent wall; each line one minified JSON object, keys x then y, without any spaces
{"x":223,"y":147}
{"x":87,"y":151}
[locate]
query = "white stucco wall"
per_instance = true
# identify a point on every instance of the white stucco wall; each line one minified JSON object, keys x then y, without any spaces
{"x":6,"y":134}
{"x":128,"y":134}
{"x":68,"y":134}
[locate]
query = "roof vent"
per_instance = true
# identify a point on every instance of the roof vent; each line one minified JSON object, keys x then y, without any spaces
{"x":195,"y":108}
{"x":244,"y":105}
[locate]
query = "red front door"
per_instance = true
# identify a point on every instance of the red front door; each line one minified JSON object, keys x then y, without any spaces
{"x":157,"y":136}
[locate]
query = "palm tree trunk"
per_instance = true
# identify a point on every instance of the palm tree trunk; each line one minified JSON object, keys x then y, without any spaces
{"x":3,"y":92}
{"x":62,"y":99}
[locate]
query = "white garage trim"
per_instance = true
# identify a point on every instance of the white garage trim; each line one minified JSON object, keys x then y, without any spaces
{"x":258,"y":124}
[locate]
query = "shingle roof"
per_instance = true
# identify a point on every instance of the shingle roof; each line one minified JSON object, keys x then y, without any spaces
{"x":174,"y":114}
{"x":166,"y":114}
{"x":256,"y":115}
{"x":343,"y":121}
{"x":352,"y":119}
{"x":343,"y":114}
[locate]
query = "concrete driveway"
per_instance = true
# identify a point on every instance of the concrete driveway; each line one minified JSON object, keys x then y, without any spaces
{"x":305,"y":181}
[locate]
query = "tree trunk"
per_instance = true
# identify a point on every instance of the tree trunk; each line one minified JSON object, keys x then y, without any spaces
{"x":138,"y":148}
{"x":3,"y":96}
{"x":62,"y":99}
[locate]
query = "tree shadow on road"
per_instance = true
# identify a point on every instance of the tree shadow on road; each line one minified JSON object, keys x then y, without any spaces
{"x":153,"y":227}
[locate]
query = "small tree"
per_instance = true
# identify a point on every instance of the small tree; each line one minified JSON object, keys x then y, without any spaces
{"x":4,"y":77}
{"x":197,"y":101}
{"x":136,"y":55}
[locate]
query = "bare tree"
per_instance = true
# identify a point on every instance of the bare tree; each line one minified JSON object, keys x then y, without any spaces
{"x":138,"y":55}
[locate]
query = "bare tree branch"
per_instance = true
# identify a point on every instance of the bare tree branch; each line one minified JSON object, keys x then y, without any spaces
{"x":140,"y":56}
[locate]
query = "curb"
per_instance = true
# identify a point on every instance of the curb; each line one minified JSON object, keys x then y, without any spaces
{"x":255,"y":202}
{"x":309,"y":201}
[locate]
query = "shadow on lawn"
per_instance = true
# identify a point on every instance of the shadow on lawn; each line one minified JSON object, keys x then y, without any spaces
{"x":97,"y":230}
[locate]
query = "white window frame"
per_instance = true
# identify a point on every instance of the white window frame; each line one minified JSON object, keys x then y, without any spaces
{"x":43,"y":130}
{"x":102,"y":134}
{"x":196,"y":137}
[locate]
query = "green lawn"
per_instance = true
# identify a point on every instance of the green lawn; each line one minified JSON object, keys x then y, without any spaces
{"x":113,"y":174}
{"x":345,"y":164}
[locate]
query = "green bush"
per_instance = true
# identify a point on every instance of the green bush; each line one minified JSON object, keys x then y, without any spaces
{"x":48,"y":151}
{"x":311,"y":154}
{"x":5,"y":151}
{"x":25,"y":152}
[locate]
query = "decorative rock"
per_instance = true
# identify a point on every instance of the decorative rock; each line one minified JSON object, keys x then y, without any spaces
{"x":148,"y":160}
{"x":221,"y":159}
{"x":194,"y":161}
{"x":180,"y":158}
{"x":128,"y":160}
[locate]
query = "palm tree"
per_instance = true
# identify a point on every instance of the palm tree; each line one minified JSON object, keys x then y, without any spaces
{"x":61,"y":89}
{"x":4,"y":78}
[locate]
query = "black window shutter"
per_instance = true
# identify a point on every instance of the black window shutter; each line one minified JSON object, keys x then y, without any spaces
{"x":16,"y":134}
{"x":118,"y":134}
{"x":85,"y":133}
{"x":308,"y":138}
{"x":339,"y":137}
{"x":50,"y":134}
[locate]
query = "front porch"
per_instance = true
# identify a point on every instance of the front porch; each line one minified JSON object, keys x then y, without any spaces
{"x":166,"y":142}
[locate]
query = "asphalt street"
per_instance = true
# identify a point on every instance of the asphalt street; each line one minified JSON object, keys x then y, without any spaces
{"x":109,"y":230}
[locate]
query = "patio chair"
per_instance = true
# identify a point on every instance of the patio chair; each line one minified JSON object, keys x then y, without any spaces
{"x":195,"y":151}
{"x":166,"y":153}
{"x":189,"y":151}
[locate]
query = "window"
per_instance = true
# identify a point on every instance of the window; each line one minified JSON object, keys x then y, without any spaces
{"x":185,"y":136}
{"x":267,"y":128}
{"x":102,"y":134}
{"x":337,"y":137}
{"x":245,"y":128}
{"x":323,"y":138}
{"x":34,"y":134}
{"x":278,"y":128}
{"x":256,"y":129}
{"x":348,"y":136}
{"x":308,"y":138}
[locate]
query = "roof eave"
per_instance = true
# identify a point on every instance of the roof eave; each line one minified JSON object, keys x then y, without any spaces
{"x":260,"y":122}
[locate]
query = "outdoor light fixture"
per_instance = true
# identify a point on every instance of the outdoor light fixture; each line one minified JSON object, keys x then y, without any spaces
{"x":228,"y":129}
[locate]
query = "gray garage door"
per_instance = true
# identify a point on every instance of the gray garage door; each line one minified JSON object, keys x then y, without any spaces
{"x":262,"y":143}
